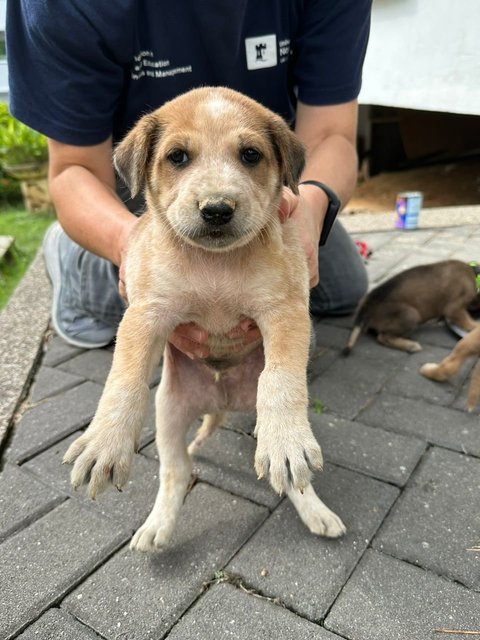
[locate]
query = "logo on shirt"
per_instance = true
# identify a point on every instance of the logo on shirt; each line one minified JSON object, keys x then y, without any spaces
{"x":261,"y":52}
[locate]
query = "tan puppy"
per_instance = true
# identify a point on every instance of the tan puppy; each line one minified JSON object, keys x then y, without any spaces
{"x":210,"y":249}
{"x":465,"y":348}
{"x":398,"y":306}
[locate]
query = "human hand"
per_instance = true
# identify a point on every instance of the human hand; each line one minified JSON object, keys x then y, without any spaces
{"x":191,"y":339}
{"x":300,"y":209}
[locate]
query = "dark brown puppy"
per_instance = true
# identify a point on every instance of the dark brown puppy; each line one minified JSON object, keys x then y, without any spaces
{"x":465,"y":348}
{"x":395,"y":308}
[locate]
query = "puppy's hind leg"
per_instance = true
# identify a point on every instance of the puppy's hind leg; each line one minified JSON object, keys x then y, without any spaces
{"x":173,"y":417}
{"x":401,"y":321}
{"x":319,"y":519}
{"x":211,"y":422}
{"x":462,"y":318}
{"x":396,"y":342}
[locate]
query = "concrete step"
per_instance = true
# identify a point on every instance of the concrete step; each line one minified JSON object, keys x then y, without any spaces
{"x":6,"y":245}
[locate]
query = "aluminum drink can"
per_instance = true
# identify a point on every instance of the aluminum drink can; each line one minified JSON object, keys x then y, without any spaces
{"x":407,"y":207}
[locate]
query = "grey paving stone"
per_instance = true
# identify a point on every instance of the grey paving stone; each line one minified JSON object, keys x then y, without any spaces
{"x":381,"y":454}
{"x":436,"y":519}
{"x":419,"y":256}
{"x":50,"y":381}
{"x":39,"y":565}
{"x":57,"y":351}
{"x":456,"y":430}
{"x":435,"y":334}
{"x":57,"y":625}
{"x":226,"y":461}
{"x":332,"y":335}
{"x":386,"y":599}
{"x":376,"y":239}
{"x":141,"y":596}
{"x":226,"y":612}
{"x":407,"y":381}
{"x":242,"y":422}
{"x":95,"y":364}
{"x":54,"y":419}
{"x":382,"y":263}
{"x":349,"y":385}
{"x":23,"y":499}
{"x":320,"y":361}
{"x":304,"y":571}
{"x":92,"y":364}
{"x":130,"y":507}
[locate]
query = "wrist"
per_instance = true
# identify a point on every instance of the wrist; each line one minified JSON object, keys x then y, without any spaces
{"x":123,"y":237}
{"x":331,"y":205}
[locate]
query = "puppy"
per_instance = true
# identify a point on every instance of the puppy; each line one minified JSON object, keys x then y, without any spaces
{"x":396,"y":308}
{"x":209,"y":249}
{"x":466,"y":347}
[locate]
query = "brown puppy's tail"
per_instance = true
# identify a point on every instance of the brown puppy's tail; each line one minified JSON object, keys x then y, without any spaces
{"x":474,"y":388}
{"x":359,"y":324}
{"x":356,"y":331}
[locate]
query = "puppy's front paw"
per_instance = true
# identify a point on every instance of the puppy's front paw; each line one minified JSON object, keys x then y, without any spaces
{"x":432,"y":371}
{"x":152,"y":536}
{"x":101,"y":456}
{"x":287,"y":456}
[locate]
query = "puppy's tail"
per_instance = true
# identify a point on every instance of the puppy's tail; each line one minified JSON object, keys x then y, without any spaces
{"x":360,"y":323}
{"x":356,"y":331}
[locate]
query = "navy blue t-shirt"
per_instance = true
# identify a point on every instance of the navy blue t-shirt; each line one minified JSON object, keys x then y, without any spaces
{"x":81,"y":70}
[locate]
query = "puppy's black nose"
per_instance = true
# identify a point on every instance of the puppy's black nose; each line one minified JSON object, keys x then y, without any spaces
{"x":217,"y":212}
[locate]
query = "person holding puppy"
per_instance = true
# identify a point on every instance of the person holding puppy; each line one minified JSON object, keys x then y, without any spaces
{"x":83,"y":72}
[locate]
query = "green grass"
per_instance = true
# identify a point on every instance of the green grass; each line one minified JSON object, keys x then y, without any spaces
{"x":28,"y":230}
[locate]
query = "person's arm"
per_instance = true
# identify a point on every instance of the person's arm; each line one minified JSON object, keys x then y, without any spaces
{"x":82,"y":186}
{"x":329,"y":135}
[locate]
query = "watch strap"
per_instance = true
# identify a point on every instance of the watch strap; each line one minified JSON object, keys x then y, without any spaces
{"x":332,"y":209}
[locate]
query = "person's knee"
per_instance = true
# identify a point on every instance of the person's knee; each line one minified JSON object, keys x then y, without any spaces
{"x":343,"y":276}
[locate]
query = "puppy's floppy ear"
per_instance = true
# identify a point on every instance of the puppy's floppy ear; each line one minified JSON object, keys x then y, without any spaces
{"x":132,"y":155}
{"x":290,"y":152}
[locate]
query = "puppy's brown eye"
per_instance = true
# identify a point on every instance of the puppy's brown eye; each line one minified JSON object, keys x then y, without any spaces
{"x":251,"y":156}
{"x":178,"y":157}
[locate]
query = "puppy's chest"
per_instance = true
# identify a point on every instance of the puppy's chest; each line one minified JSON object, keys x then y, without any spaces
{"x":218,"y":301}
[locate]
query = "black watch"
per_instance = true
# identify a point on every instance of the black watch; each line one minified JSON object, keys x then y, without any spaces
{"x":333,"y":208}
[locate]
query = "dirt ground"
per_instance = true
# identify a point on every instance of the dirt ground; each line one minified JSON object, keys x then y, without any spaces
{"x":442,"y":186}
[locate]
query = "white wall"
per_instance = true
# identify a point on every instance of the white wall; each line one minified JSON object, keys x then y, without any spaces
{"x":424,"y":54}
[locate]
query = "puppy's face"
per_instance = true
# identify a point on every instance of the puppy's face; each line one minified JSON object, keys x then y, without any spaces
{"x":212,"y":163}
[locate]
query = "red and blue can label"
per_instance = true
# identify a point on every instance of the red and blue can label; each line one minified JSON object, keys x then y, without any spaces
{"x":407,"y":207}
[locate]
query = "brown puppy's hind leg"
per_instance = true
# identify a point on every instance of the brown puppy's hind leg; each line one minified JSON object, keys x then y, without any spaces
{"x":398,"y":321}
{"x":462,"y":318}
{"x":396,"y":342}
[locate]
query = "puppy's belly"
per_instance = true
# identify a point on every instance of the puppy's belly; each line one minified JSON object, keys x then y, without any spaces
{"x":222,"y":354}
{"x":211,"y":386}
